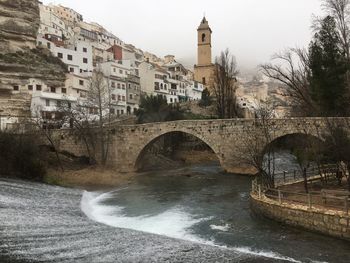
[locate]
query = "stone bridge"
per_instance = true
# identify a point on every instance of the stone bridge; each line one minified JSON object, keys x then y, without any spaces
{"x":227,"y":138}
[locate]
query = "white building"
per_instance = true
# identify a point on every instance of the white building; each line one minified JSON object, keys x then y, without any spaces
{"x":194,"y":90}
{"x":78,"y":56}
{"x":52,"y":25}
{"x":117,"y":74}
{"x":156,"y":81}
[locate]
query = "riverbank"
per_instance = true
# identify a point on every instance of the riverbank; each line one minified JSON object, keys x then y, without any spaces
{"x":42,"y":223}
{"x":91,"y":177}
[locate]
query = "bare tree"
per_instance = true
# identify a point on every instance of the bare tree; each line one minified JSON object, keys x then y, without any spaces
{"x":46,"y":127}
{"x":81,"y":122}
{"x":292,"y":70}
{"x":340,"y":11}
{"x":256,"y":149}
{"x":100,"y":96}
{"x":225,"y":84}
{"x":90,"y":117}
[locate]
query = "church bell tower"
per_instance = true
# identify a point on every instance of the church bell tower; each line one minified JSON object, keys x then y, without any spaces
{"x":204,"y":69}
{"x":204,"y":43}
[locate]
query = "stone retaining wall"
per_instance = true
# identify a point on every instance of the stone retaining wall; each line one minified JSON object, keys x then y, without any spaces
{"x":327,"y":222}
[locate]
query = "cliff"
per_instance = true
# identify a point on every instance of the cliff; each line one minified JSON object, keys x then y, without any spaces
{"x":19,"y":24}
{"x":20,"y":60}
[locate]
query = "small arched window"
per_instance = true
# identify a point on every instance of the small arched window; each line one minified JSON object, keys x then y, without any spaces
{"x":203,"y":37}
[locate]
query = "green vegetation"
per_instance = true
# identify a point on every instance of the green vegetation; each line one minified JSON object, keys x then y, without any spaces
{"x":328,"y":69}
{"x":156,"y":109}
{"x":206,"y":99}
{"x":317,"y":79}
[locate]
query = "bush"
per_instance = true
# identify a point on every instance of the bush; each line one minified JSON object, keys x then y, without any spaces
{"x":156,"y":109}
{"x":21,"y":157}
{"x":206,"y":99}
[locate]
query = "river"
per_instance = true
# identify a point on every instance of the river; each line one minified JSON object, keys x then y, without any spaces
{"x":193,"y":214}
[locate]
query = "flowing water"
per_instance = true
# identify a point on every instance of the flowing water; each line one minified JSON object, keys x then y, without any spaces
{"x":200,"y":204}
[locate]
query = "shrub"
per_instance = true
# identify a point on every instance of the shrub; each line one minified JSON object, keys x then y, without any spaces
{"x":21,"y":157}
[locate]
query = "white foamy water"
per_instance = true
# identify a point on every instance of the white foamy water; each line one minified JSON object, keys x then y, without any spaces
{"x":174,"y":223}
{"x":224,"y":228}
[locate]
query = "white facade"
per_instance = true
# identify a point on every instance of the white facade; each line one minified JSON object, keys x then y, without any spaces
{"x":78,"y":57}
{"x":194,"y":90}
{"x":117,"y":74}
{"x":52,"y":24}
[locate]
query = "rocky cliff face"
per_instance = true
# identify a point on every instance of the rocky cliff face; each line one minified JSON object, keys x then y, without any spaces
{"x":19,"y":24}
{"x":20,"y":60}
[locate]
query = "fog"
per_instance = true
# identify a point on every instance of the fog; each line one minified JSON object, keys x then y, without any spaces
{"x":253,"y":30}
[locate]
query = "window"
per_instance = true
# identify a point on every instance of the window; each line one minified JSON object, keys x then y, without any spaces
{"x":48,"y":45}
{"x":69,"y":57}
{"x":52,"y":89}
{"x":171,"y":100}
{"x":38,"y":87}
{"x":85,"y":49}
{"x":118,"y":85}
{"x":30,"y":87}
{"x":113,"y":97}
{"x":112,"y":111}
{"x":120,"y":71}
{"x":203,"y":37}
{"x":114,"y":70}
{"x":123,"y":98}
{"x":119,"y":98}
{"x":60,"y":55}
{"x":85,"y":60}
{"x":64,"y":90}
{"x":71,"y":70}
{"x":81,"y":82}
{"x":123,"y":86}
{"x":16,"y":88}
{"x":129,"y":86}
{"x":203,"y":80}
{"x":113,"y":84}
{"x":47,"y":103}
{"x":130,"y":96}
{"x":122,"y":112}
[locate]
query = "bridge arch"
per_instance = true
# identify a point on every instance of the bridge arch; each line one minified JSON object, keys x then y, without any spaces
{"x":293,"y":141}
{"x":294,"y":137}
{"x":151,"y":141}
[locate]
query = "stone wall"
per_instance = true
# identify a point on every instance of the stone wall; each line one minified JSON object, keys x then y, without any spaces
{"x":327,"y":222}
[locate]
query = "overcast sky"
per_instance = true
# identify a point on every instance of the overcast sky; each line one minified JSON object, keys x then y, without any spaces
{"x":252,"y":29}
